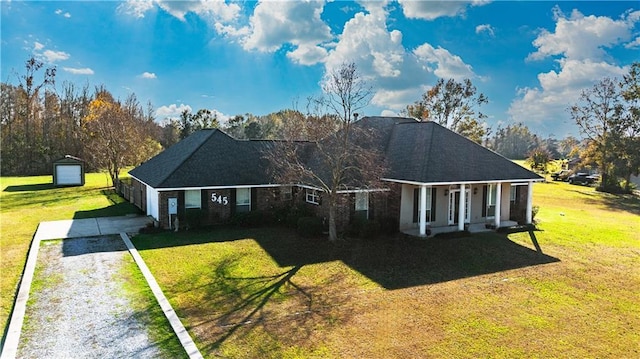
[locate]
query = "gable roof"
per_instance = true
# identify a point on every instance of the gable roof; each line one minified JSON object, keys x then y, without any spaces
{"x":420,"y":152}
{"x":426,"y":152}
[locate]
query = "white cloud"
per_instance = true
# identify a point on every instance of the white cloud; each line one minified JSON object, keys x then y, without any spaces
{"x":218,"y":12}
{"x":580,"y":42}
{"x":172,"y":110}
{"x":65,"y":14}
{"x":37,"y":46}
{"x":581,"y":37}
{"x":53,"y":56}
{"x":147,"y":75}
{"x":78,"y":71}
{"x":431,"y":10}
{"x":136,"y":8}
{"x":298,"y":23}
{"x":485,"y":28}
{"x":633,"y":44}
{"x":398,"y":76}
{"x":447,"y":65}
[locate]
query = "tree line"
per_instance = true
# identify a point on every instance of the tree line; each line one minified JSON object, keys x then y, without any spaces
{"x":40,"y":123}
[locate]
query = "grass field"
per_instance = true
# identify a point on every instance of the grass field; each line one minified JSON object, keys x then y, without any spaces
{"x":266,"y":293}
{"x":26,"y":201}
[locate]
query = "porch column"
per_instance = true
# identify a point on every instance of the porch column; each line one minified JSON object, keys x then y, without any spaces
{"x":498,"y":204}
{"x":530,"y":202}
{"x":423,"y":211}
{"x":461,"y":207}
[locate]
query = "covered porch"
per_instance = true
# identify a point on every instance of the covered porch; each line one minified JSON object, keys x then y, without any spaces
{"x":428,"y":209}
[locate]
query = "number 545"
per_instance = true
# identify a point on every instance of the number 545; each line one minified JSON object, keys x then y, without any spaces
{"x":223,"y":200}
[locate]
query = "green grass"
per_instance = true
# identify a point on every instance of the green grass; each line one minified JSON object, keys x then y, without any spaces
{"x":267,"y":293}
{"x":148,"y":312}
{"x":26,"y":201}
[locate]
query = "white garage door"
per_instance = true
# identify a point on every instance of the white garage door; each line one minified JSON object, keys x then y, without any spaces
{"x":68,"y":174}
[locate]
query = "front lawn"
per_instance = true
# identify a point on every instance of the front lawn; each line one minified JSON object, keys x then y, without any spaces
{"x":267,"y":293}
{"x":27,"y":201}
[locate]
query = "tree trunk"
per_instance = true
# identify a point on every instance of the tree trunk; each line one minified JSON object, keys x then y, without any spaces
{"x":333,"y":235}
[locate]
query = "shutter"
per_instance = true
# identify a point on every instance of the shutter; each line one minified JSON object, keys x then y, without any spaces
{"x":434,"y":192}
{"x":181,"y":208}
{"x":232,"y":201}
{"x":204,"y":203}
{"x":254,"y":199}
{"x":484,"y":201}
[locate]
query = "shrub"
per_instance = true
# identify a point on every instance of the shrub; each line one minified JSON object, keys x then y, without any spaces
{"x":364,"y":228}
{"x":292,"y":214}
{"x":389,"y":225}
{"x":193,"y":217}
{"x":309,"y":226}
{"x":252,"y":219}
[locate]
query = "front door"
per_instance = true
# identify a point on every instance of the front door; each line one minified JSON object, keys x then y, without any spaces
{"x":454,"y":206}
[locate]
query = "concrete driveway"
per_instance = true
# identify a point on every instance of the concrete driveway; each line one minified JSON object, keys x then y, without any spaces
{"x":89,"y":227}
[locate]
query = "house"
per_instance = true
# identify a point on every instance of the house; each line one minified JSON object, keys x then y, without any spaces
{"x":68,"y":171}
{"x":434,"y":178}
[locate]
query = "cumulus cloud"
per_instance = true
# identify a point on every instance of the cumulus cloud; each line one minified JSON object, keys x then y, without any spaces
{"x":399,"y":75}
{"x":298,"y":23}
{"x":633,"y":44}
{"x":431,"y":10}
{"x":78,"y":71}
{"x":581,"y":37}
{"x":446,"y":64}
{"x":171,"y":111}
{"x":581,"y":42}
{"x":147,"y":75}
{"x":218,"y":12}
{"x":37,"y":46}
{"x":485,"y":28}
{"x":53,"y":56}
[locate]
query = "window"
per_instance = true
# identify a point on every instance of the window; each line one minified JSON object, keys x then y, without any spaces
{"x":512,"y":194}
{"x":243,"y":200}
{"x":430,"y":204}
{"x":192,"y":198}
{"x":491,"y":200}
{"x":362,"y":205}
{"x":286,"y":193}
{"x":313,"y":196}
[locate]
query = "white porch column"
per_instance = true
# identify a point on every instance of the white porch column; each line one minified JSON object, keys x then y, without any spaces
{"x":498,"y":204}
{"x":461,"y":207}
{"x":530,"y":202}
{"x":423,"y":211}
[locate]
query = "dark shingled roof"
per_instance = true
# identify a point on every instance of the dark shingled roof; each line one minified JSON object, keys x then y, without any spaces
{"x":427,"y":152}
{"x":206,"y":158}
{"x":422,"y":152}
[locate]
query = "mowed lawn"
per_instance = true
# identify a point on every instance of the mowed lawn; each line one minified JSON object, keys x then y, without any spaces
{"x":26,"y":201}
{"x":249,"y":293}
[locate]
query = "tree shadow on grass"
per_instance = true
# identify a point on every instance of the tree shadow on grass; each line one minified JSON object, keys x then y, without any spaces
{"x":615,"y":202}
{"x":30,"y":187}
{"x":118,"y":207}
{"x":394,"y":263}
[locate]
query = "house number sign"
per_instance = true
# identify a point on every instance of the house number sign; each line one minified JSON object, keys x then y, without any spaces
{"x":223,"y":200}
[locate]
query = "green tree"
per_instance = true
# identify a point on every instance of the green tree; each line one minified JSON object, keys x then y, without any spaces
{"x":453,"y":104}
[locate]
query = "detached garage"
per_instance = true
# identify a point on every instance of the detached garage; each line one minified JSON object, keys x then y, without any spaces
{"x":68,"y":171}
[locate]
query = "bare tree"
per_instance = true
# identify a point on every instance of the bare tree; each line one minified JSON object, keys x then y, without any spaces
{"x":336,"y":152}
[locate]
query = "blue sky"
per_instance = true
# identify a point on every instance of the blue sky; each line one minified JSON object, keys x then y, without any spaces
{"x":530,"y":58}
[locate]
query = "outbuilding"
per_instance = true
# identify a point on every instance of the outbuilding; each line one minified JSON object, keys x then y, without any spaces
{"x":68,"y":171}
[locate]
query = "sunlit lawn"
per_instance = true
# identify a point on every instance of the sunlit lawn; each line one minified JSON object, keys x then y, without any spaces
{"x":267,"y":293}
{"x":26,"y":201}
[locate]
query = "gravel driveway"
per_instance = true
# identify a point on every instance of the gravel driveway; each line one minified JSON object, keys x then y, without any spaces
{"x":78,"y":307}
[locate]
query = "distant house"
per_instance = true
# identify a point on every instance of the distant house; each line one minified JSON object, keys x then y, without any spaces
{"x":68,"y":171}
{"x":434,"y":178}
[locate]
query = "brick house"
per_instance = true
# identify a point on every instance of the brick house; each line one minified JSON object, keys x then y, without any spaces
{"x":432,"y":173}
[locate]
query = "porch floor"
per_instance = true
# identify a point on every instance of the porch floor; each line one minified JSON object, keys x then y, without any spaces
{"x":473,"y":228}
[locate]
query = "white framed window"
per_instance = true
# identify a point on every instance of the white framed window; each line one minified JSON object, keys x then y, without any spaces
{"x":192,"y":198}
{"x":362,"y":204}
{"x":313,"y":196}
{"x":243,"y":200}
{"x":286,"y":193}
